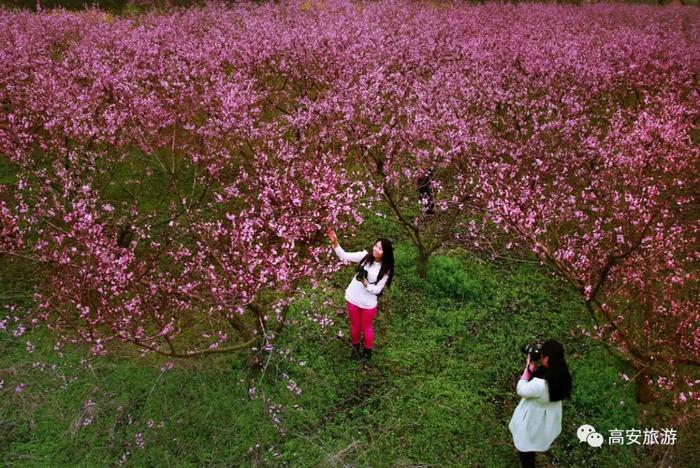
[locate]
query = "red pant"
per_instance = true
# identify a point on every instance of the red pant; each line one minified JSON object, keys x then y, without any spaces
{"x":361,"y":321}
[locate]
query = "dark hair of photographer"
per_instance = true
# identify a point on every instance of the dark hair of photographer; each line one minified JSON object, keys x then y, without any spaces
{"x":387,"y":260}
{"x":554,"y":370}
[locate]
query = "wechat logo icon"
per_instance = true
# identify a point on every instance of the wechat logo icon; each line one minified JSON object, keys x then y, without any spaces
{"x":587,"y":433}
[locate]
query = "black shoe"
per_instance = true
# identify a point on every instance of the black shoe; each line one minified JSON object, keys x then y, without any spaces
{"x":368,"y":353}
{"x":355,"y":350}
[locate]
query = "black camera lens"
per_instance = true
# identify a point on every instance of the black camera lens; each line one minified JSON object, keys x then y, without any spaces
{"x":361,"y":274}
{"x":532,"y":350}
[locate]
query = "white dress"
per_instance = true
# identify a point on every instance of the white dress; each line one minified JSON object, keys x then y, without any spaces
{"x":356,"y":292}
{"x":536,"y":421}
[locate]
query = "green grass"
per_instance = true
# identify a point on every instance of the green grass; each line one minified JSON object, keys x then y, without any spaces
{"x":439,"y":391}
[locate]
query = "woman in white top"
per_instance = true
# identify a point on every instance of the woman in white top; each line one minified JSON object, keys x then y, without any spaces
{"x":375,"y":271}
{"x":536,"y":421}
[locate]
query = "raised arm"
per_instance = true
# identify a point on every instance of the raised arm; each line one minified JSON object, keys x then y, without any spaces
{"x":342,"y":254}
{"x":535,"y":388}
{"x":349,"y":256}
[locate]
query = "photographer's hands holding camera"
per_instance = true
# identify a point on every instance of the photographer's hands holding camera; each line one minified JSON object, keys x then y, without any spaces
{"x":529,"y":369}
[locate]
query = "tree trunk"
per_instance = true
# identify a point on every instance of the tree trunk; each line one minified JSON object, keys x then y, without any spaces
{"x":425,"y":194}
{"x":423,"y":258}
{"x":643,"y":388}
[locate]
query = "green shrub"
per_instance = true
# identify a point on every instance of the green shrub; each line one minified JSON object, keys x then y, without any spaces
{"x":451,"y":278}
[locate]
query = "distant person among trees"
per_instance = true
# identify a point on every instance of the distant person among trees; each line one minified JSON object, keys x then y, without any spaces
{"x":536,"y":421}
{"x":374,"y":272}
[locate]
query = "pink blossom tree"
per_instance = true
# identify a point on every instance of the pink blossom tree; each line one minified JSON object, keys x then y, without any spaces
{"x":594,"y":167}
{"x":175,"y":170}
{"x":151,"y":188}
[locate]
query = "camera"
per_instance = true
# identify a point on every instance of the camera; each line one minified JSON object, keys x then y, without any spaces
{"x":361,"y":273}
{"x":533,"y":350}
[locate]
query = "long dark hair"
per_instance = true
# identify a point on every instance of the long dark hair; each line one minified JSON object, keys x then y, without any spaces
{"x":387,"y":260}
{"x":557,"y":372}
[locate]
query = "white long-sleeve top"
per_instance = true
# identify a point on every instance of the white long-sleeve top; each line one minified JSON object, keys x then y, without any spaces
{"x":536,"y":421}
{"x":356,"y":293}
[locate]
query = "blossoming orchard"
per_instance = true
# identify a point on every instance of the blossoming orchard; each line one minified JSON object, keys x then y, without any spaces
{"x":169,"y":177}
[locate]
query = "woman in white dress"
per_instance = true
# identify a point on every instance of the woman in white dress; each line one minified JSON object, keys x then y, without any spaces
{"x":536,"y":421}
